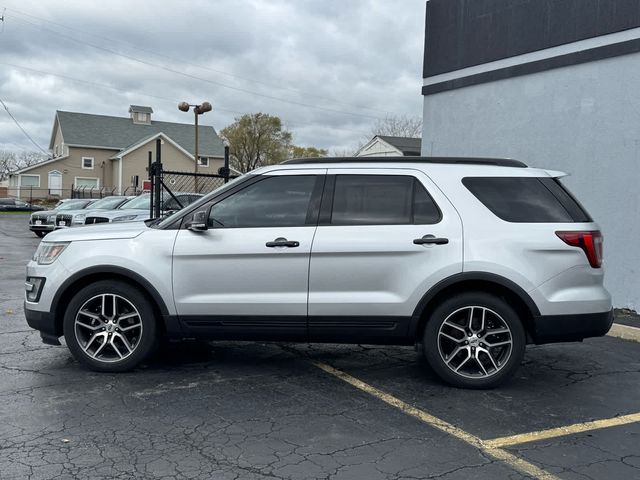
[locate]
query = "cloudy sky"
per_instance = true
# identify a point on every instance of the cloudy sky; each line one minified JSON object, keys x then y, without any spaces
{"x":328,"y":68}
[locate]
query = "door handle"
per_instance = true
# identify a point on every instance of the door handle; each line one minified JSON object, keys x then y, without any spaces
{"x":431,"y":240}
{"x":282,"y":242}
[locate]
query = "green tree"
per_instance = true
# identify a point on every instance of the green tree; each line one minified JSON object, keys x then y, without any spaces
{"x":308,"y":152}
{"x":255,"y":140}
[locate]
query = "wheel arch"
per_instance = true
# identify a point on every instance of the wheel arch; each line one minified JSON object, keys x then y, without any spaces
{"x":104,"y":272}
{"x":475,"y":281}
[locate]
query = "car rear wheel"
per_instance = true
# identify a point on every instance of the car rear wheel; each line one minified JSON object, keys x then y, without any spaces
{"x":109,"y":326}
{"x":474,"y":340}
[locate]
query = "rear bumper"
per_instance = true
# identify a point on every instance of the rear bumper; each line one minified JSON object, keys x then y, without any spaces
{"x":570,"y":328}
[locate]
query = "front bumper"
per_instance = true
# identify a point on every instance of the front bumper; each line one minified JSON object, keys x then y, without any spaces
{"x":42,"y":228}
{"x":571,"y":328}
{"x":45,"y":323}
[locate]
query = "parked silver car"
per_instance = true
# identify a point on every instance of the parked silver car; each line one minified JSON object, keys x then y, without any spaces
{"x":139,"y":208}
{"x":75,"y":218}
{"x":472,"y":258}
{"x":44,"y":222}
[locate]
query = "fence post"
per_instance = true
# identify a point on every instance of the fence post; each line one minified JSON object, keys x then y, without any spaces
{"x":227,"y":172}
{"x":31,"y":194}
{"x":158,"y":178}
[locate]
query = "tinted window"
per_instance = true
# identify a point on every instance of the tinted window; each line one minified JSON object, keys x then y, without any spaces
{"x":381,"y":200}
{"x":279,"y":201}
{"x":6,"y":201}
{"x":526,"y":199}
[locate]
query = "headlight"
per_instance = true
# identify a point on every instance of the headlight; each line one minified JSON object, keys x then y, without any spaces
{"x":51,"y":219}
{"x":79,"y":218}
{"x":126,"y":218}
{"x":47,"y":252}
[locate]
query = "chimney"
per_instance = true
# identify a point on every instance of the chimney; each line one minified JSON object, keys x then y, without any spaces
{"x":140,"y":115}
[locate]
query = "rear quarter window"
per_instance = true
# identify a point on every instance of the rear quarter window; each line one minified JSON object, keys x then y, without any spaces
{"x":527,"y":199}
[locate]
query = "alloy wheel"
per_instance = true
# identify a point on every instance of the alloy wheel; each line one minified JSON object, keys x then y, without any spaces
{"x":108,"y":328}
{"x":475,"y":342}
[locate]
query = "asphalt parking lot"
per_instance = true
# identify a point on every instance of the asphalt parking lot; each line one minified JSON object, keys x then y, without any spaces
{"x":264,"y":410}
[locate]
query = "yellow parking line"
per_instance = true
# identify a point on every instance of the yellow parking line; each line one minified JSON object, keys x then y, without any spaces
{"x":625,"y":331}
{"x":509,"y":459}
{"x":562,"y":431}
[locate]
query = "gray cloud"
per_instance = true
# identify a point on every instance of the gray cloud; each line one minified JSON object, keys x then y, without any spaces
{"x":362,"y":57}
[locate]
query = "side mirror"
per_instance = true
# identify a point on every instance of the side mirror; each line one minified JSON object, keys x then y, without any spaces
{"x":199,"y":221}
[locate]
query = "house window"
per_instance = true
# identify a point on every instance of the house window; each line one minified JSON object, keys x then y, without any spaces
{"x":142,"y":117}
{"x":204,"y":161}
{"x":30,"y":180}
{"x":86,"y":182}
{"x":87,"y":163}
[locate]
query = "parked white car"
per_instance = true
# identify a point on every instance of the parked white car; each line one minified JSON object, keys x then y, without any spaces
{"x":473,"y":258}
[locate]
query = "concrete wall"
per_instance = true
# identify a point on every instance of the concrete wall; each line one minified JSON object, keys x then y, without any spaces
{"x":583,"y":119}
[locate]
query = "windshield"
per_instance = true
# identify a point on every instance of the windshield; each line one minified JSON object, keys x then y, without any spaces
{"x":138,"y":203}
{"x":74,"y":205}
{"x":108,"y":203}
{"x":204,"y":200}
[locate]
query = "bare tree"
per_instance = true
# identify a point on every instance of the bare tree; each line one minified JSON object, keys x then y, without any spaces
{"x":398,"y":126}
{"x":11,"y":160}
{"x":8,"y":163}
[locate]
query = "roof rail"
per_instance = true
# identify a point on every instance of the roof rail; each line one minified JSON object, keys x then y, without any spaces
{"x":501,"y":162}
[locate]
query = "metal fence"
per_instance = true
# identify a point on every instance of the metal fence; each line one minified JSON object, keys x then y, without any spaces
{"x":44,"y":195}
{"x":166,"y":184}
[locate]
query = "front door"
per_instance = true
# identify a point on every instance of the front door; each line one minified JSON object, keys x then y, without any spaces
{"x":385,"y":236}
{"x":55,"y":183}
{"x":247,"y":276}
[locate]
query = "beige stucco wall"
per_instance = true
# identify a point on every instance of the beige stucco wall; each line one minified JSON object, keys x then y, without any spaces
{"x":58,"y":141}
{"x":135,"y":162}
{"x":71,"y":167}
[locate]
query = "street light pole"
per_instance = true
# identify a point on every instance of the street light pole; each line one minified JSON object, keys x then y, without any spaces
{"x":204,"y":107}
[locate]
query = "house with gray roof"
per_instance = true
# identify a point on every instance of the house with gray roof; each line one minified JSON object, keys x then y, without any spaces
{"x":387,"y":146}
{"x":111,"y":153}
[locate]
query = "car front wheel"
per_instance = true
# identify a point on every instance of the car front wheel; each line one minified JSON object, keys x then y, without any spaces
{"x":474,"y":340}
{"x":109,"y":326}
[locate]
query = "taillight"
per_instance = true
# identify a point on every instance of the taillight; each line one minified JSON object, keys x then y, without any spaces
{"x":589,"y":241}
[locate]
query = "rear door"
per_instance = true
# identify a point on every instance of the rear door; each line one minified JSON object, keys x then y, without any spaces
{"x":385,"y":237}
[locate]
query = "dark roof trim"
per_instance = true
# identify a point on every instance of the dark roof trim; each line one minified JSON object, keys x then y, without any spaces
{"x":501,"y":162}
{"x":464,"y":33}
{"x":575,"y":58}
{"x":140,"y":109}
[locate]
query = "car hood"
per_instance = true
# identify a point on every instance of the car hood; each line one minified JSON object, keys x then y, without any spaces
{"x":45,"y":212}
{"x":106,"y":231}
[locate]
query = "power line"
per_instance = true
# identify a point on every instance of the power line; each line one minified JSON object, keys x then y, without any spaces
{"x":22,"y":129}
{"x":159,"y":97}
{"x":195,"y":77}
{"x":220,"y":72}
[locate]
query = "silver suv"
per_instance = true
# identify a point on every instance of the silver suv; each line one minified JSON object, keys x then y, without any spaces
{"x":472,"y":258}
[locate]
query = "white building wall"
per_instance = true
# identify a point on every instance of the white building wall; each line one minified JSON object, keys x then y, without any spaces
{"x":378,"y":149}
{"x":583,"y":119}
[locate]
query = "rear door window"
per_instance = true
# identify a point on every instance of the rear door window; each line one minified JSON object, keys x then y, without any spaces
{"x":527,"y":199}
{"x":382,"y":200}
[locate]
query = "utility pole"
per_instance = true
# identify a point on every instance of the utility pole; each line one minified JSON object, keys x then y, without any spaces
{"x":204,"y":107}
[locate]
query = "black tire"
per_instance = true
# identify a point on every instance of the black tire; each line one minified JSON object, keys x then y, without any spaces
{"x":143,"y":338}
{"x":456,"y":310}
{"x":39,"y":233}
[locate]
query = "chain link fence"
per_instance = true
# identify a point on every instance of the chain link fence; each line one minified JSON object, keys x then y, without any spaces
{"x":190,"y":182}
